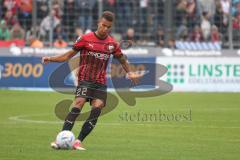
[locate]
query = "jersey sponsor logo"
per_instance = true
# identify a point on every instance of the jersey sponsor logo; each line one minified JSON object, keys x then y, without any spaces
{"x":99,"y":55}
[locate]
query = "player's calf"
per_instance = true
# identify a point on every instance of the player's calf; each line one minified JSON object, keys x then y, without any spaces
{"x":89,"y":123}
{"x":70,"y":119}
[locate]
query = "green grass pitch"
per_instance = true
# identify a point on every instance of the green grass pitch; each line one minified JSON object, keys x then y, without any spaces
{"x":206,"y":127}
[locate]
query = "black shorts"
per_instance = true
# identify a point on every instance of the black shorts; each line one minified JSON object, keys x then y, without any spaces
{"x":91,"y":90}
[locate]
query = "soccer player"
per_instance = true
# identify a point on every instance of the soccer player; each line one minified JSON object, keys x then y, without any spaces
{"x":95,"y":50}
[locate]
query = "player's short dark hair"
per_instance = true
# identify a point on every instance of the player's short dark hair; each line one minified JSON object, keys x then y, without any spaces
{"x":108,"y":15}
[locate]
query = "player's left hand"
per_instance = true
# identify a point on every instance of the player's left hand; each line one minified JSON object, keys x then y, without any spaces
{"x":134,"y":77}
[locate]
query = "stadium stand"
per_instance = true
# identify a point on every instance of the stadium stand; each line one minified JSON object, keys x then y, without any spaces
{"x":194,"y":24}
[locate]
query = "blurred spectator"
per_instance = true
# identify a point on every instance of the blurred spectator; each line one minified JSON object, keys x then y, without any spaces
{"x":236,"y":22}
{"x":171,"y":43}
{"x":183,"y":35}
{"x":69,"y":14}
{"x":85,"y":10}
{"x":49,"y":22}
{"x":193,"y":14}
{"x":157,"y":14}
{"x":109,"y":5}
{"x":160,"y":37}
{"x":180,"y":17}
{"x":25,"y":13}
{"x":36,"y":43}
{"x":59,"y":2}
{"x":197,"y":35}
{"x":42,"y":8}
{"x":17,"y":32}
{"x":130,"y":36}
{"x":58,"y":31}
{"x":58,"y":9}
{"x":25,"y":5}
{"x":78,"y":32}
{"x":205,"y":26}
{"x":143,"y":15}
{"x":219,"y":18}
{"x":30,"y":33}
{"x":10,"y":19}
{"x":1,"y":9}
{"x":60,"y":43}
{"x":225,"y":4}
{"x":236,"y":7}
{"x":215,"y":35}
{"x":236,"y":28}
{"x":10,"y":5}
{"x":209,"y":7}
{"x":4,"y":32}
{"x":124,"y":15}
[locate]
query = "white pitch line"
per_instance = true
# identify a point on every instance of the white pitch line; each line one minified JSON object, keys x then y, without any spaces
{"x":23,"y":118}
{"x":20,"y":119}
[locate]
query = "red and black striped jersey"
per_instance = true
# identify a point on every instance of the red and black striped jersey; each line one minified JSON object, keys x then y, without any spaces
{"x":94,"y":56}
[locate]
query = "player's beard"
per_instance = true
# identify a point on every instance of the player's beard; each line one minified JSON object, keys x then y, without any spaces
{"x":103,"y":34}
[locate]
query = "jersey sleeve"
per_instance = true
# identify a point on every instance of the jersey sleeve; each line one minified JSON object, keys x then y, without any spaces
{"x":117,"y":52}
{"x":79,"y":44}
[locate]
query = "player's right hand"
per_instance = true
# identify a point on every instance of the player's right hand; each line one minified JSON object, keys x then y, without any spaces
{"x":45,"y":60}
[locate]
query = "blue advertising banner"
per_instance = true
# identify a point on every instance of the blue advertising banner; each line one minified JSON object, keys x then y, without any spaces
{"x":25,"y":72}
{"x":29,"y":72}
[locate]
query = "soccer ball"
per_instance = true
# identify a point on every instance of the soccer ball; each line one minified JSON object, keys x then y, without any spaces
{"x":65,"y":139}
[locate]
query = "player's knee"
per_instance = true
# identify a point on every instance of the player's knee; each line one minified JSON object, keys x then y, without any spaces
{"x":98,"y":104}
{"x":79,"y":103}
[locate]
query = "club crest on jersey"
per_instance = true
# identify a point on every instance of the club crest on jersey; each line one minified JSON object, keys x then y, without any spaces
{"x":111,"y":48}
